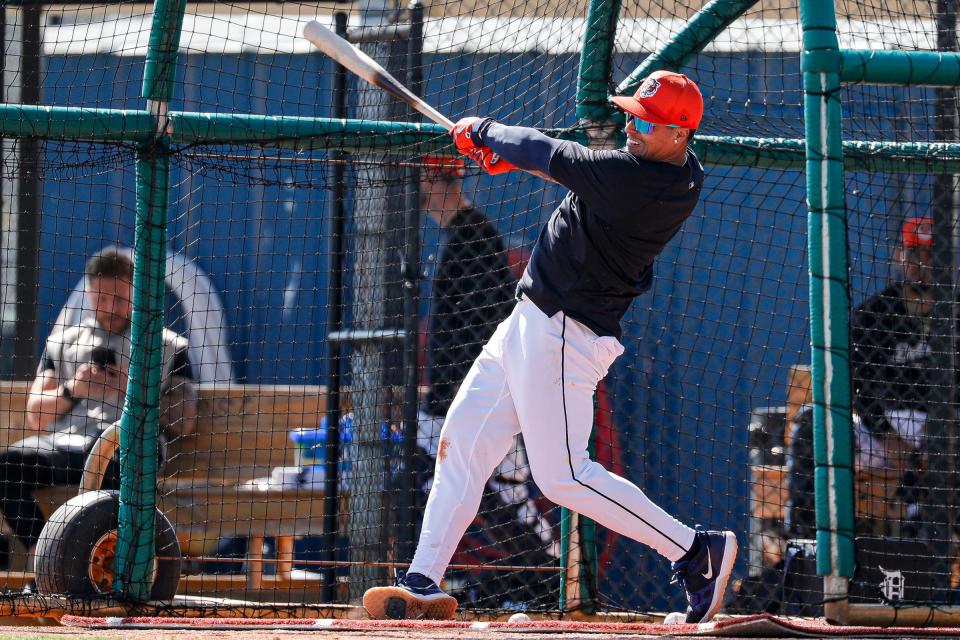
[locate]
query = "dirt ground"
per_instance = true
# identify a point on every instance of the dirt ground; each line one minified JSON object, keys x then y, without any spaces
{"x":72,"y":633}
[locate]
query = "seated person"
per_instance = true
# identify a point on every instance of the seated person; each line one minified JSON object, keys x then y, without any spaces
{"x":201,"y":312}
{"x":892,"y":361}
{"x":79,"y":391}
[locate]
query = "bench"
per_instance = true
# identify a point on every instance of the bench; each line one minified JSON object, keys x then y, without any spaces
{"x":242,"y":434}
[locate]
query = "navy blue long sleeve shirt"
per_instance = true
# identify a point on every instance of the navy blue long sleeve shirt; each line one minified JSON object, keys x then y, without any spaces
{"x":597,"y":251}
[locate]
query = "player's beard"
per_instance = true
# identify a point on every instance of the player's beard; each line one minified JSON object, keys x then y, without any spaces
{"x":113,"y":323}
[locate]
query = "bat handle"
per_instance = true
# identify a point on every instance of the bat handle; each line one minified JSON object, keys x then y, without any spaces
{"x":436,"y":116}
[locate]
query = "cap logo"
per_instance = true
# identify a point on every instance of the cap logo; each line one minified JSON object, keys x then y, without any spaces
{"x":649,"y":88}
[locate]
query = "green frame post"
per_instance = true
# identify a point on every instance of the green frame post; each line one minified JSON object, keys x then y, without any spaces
{"x":295,"y":132}
{"x":139,"y":426}
{"x":578,"y":535}
{"x":593,"y":83}
{"x":915,"y":68}
{"x":829,"y":304}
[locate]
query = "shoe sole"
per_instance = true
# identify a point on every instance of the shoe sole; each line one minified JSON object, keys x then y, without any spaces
{"x":730,"y":547}
{"x":396,"y":603}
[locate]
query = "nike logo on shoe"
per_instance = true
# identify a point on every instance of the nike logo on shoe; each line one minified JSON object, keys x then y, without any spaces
{"x":705,"y":589}
{"x":708,"y":574}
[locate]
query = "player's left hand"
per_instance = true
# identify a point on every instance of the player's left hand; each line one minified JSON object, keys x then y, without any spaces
{"x":489,"y":161}
{"x":463,"y":135}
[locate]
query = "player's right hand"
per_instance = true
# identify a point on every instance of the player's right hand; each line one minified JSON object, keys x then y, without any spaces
{"x":463,"y":134}
{"x":489,"y":161}
{"x":467,"y":142}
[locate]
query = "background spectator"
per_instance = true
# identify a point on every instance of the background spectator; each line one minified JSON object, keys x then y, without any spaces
{"x":472,"y":291}
{"x":79,"y":391}
{"x":891,"y":357}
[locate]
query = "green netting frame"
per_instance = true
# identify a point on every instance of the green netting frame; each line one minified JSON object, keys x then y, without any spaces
{"x":823,"y":152}
{"x":139,"y":426}
{"x":825,"y":67}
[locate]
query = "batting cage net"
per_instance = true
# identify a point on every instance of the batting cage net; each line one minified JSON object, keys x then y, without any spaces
{"x":315,"y":274}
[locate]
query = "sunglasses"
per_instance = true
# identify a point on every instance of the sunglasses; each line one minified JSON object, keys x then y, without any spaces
{"x":644,"y":127}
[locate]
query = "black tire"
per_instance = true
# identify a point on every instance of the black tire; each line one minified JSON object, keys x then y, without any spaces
{"x":62,"y":561}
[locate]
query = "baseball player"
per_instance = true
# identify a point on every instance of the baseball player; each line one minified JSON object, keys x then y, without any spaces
{"x":538,"y":372}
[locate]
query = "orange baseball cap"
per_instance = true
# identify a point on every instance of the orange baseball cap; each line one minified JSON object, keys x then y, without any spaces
{"x":444,"y":165}
{"x":917,"y":232}
{"x":665,"y":97}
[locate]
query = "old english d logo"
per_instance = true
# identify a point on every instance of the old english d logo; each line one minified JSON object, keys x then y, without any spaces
{"x":893,"y":584}
{"x":649,"y":88}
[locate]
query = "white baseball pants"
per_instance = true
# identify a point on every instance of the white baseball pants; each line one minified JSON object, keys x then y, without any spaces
{"x":536,"y":376}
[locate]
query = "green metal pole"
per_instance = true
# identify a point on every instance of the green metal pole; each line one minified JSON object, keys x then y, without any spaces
{"x":341,"y":134}
{"x":942,"y":158}
{"x":829,"y":304}
{"x":589,"y":554}
{"x":116,"y":125}
{"x":704,"y":27}
{"x":593,"y":83}
{"x":75,"y":123}
{"x":595,"y":113}
{"x":160,"y":67}
{"x":139,"y":426}
{"x":914,"y":68}
{"x":566,"y":526}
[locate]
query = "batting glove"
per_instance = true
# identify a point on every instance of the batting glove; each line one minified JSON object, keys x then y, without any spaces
{"x":464,"y":136}
{"x":467,"y":139}
{"x":489,"y":161}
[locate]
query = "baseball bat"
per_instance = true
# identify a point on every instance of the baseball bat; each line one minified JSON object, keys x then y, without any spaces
{"x":367,"y":68}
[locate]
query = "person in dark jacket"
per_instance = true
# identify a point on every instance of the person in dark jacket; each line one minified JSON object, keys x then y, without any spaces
{"x":892,"y":366}
{"x":473,"y":290}
{"x":892,"y":360}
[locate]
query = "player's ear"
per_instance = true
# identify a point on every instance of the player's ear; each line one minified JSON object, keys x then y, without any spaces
{"x":681,"y":134}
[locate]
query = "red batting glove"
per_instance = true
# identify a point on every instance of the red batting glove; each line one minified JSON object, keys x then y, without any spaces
{"x":466,"y":142}
{"x":489,"y":161}
{"x":463,"y":136}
